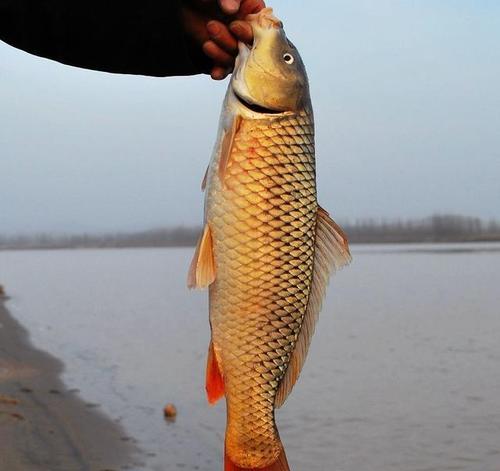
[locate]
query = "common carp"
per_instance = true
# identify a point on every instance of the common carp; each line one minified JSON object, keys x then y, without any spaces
{"x":267,"y":247}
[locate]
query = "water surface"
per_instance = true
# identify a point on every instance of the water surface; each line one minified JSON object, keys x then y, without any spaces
{"x":403,"y":373}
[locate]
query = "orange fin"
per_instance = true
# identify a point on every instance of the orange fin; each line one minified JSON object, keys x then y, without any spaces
{"x":204,"y":181}
{"x":281,"y":464}
{"x":227,"y":146}
{"x":214,"y":381}
{"x":202,"y":269}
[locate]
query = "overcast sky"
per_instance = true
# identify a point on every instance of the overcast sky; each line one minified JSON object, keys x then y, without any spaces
{"x":407,"y":102}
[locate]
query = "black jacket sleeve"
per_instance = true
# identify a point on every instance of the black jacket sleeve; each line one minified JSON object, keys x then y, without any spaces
{"x":142,"y":37}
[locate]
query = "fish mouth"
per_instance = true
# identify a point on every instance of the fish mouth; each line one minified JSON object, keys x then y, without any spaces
{"x":254,"y":107}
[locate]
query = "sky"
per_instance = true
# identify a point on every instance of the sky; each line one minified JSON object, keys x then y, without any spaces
{"x":406,"y":97}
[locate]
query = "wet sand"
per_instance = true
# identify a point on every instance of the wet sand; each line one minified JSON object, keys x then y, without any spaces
{"x":43,"y":425}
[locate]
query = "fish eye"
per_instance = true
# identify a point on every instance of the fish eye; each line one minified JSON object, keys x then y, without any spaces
{"x":288,"y":58}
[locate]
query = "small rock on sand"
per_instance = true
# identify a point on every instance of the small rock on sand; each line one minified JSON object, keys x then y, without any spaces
{"x":170,"y":411}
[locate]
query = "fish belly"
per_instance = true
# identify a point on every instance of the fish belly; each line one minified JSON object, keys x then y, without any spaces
{"x":262,"y":215}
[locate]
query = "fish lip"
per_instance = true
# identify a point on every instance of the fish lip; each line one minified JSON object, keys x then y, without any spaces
{"x":255,"y":107}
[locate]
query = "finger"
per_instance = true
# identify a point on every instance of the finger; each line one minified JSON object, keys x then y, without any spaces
{"x":219,"y":73}
{"x":242,"y":30}
{"x":221,"y":36}
{"x":219,"y":56}
{"x":250,"y":6}
{"x":230,"y":7}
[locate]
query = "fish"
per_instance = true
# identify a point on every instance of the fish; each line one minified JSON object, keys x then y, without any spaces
{"x":267,"y":248}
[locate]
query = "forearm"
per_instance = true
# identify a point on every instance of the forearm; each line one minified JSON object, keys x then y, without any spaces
{"x":134,"y":37}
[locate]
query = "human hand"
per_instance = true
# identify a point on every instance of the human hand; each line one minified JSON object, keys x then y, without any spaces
{"x":217,"y":26}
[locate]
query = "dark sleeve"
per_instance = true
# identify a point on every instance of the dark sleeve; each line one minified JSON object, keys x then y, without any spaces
{"x":142,"y":37}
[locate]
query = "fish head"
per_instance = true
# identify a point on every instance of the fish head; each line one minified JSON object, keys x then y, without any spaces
{"x":269,"y":76}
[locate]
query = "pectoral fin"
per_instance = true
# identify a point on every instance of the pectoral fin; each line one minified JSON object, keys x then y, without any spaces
{"x":331,"y":254}
{"x":202,"y":269}
{"x":227,"y":146}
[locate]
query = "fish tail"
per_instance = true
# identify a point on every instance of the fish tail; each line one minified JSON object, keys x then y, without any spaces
{"x":281,"y":464}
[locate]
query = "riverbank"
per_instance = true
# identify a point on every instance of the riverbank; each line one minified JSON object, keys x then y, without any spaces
{"x":43,"y":425}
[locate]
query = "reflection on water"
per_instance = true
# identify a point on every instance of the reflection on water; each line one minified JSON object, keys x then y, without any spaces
{"x":403,"y":372}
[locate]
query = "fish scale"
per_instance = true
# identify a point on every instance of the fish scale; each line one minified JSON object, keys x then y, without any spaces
{"x":262,"y":218}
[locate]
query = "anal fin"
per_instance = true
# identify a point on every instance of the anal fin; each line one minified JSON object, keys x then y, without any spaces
{"x":202,"y":270}
{"x":214,"y":381}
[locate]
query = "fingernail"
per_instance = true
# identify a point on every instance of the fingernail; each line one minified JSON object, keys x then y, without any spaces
{"x":213,"y":28}
{"x":230,"y":6}
{"x":236,"y":28}
{"x":218,"y":75}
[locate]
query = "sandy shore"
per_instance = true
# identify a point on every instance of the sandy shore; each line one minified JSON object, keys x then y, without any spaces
{"x":43,"y":425}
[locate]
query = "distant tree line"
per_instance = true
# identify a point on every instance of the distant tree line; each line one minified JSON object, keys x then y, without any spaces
{"x":437,"y":228}
{"x":168,"y":237}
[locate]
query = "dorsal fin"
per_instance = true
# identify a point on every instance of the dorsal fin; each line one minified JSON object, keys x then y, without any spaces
{"x":202,"y":269}
{"x":204,"y":181}
{"x":227,"y":146}
{"x":331,"y":254}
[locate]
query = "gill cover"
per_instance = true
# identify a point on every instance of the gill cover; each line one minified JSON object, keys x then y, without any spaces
{"x":271,"y":73}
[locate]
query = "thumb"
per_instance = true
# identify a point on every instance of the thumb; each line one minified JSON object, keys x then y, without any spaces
{"x":230,"y":7}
